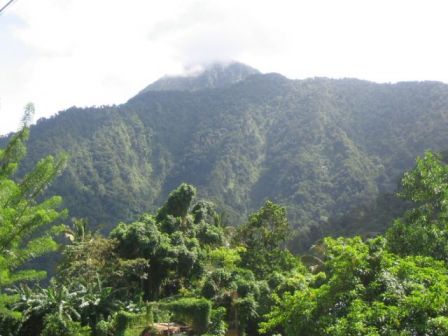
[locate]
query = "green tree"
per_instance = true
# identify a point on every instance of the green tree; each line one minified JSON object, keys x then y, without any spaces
{"x":264,"y":237}
{"x":24,"y":215}
{"x":178,"y":203}
{"x":172,"y":245}
{"x":143,"y":242}
{"x":423,"y":230}
{"x":366,"y":290}
{"x":87,"y":257}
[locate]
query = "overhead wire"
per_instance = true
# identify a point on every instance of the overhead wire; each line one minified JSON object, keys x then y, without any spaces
{"x":6,"y":5}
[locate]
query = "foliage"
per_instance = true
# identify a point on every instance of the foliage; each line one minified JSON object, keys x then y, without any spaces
{"x":178,"y":202}
{"x":104,"y":328}
{"x":218,"y":325}
{"x":325,"y":149}
{"x":87,"y":257}
{"x":193,"y":311}
{"x":24,"y":214}
{"x":35,"y":304}
{"x":268,"y":228}
{"x":129,"y":324}
{"x":423,"y":230}
{"x":365,"y":290}
{"x":85,"y":304}
{"x":225,"y":257}
{"x":180,"y":264}
{"x":173,"y":243}
{"x":264,"y":237}
{"x":54,"y":326}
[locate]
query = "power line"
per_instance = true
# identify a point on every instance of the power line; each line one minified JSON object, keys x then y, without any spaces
{"x":7,"y":4}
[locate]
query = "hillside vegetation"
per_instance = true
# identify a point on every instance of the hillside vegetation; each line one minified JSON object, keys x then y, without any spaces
{"x":330,"y":151}
{"x":180,"y":270}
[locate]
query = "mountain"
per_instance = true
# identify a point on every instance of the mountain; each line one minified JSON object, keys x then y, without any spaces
{"x":215,"y":75}
{"x":331,"y":151}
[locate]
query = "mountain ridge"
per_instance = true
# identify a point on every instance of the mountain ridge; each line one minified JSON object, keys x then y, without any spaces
{"x":326,"y":149}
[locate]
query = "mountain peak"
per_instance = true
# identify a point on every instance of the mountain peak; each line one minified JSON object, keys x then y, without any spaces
{"x":214,"y":75}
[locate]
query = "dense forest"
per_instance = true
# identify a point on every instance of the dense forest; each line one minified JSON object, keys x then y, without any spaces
{"x":182,"y":270}
{"x":230,"y":203}
{"x":331,"y":151}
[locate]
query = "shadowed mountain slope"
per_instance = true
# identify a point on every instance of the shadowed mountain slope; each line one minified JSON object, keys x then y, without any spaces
{"x":329,"y":150}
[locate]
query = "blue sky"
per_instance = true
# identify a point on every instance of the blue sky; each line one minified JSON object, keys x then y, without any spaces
{"x":61,"y":53}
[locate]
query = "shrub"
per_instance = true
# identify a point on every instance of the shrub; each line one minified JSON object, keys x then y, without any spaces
{"x":192,"y":311}
{"x":54,"y":325}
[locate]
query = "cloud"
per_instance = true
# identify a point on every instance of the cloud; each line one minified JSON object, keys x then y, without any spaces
{"x":93,"y":52}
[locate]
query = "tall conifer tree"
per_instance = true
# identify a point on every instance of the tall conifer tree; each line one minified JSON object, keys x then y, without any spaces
{"x":24,"y":213}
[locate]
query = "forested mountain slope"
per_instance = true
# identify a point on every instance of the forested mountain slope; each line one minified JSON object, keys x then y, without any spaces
{"x":324,"y":148}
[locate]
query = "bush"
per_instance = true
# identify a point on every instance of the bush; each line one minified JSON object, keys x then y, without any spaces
{"x":127,"y":324}
{"x":192,"y":311}
{"x":218,"y":325}
{"x":104,"y":328}
{"x":54,"y":325}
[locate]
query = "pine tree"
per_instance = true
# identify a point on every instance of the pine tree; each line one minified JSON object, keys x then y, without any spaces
{"x":24,"y":213}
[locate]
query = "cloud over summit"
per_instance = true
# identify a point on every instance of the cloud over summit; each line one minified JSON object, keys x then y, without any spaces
{"x":83,"y":52}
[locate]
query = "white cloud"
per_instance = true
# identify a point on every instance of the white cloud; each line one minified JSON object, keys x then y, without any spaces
{"x":94,"y":52}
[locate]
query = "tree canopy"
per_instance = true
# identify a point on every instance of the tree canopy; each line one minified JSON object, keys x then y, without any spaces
{"x":24,"y":215}
{"x":183,"y":267}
